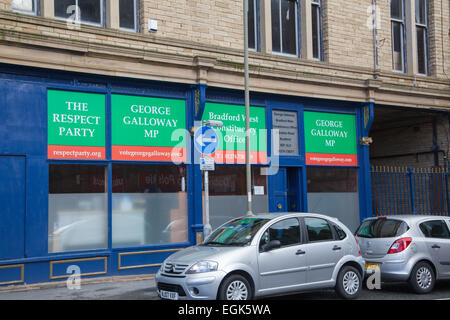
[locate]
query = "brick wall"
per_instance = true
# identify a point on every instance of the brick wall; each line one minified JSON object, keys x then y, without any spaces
{"x":5,"y":4}
{"x":348,"y":38}
{"x":347,"y":33}
{"x":211,"y":22}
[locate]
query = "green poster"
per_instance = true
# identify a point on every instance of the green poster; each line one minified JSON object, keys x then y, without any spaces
{"x":330,"y":138}
{"x":147,"y":128}
{"x":231,"y":147}
{"x":75,"y":125}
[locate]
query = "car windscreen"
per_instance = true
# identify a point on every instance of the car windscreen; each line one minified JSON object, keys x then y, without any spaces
{"x":382,"y":228}
{"x":237,"y":232}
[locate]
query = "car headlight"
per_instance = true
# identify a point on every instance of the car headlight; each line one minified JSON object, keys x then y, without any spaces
{"x":203,"y":266}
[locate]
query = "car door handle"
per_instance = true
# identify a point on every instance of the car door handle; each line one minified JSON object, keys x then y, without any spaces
{"x":435,"y":246}
{"x":335,"y":248}
{"x":300,"y":252}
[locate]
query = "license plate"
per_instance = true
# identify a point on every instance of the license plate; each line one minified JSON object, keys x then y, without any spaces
{"x":168,"y":295}
{"x":370,"y":267}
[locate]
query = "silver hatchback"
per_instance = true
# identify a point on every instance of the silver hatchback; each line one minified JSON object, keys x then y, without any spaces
{"x":407,"y":248}
{"x":270,"y":254}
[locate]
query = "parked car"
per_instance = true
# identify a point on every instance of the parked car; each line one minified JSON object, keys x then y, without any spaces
{"x":411,"y":248}
{"x":269,"y":254}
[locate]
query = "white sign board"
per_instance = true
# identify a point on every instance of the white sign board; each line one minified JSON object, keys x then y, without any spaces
{"x":207,"y":164}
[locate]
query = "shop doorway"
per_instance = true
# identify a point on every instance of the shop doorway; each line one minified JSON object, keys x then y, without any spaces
{"x":285,"y":190}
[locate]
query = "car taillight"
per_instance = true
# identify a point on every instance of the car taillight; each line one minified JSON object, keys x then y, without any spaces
{"x":400,"y":245}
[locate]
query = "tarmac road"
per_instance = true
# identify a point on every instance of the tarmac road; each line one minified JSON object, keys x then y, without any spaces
{"x":145,"y":290}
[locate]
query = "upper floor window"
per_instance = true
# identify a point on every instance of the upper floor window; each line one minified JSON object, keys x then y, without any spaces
{"x":422,"y":36}
{"x":253,"y":24}
{"x":316,"y":21}
{"x":398,"y":35}
{"x":128,"y":13}
{"x":88,"y":11}
{"x":25,"y":6}
{"x":284,"y":27}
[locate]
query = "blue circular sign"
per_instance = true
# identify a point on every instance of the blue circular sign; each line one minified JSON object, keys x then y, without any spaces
{"x":206,"y":140}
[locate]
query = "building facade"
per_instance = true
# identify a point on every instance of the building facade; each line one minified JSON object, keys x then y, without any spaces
{"x":99,"y":101}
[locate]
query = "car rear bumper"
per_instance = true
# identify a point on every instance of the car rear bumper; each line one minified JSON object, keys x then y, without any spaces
{"x":191,"y":287}
{"x":391,"y":270}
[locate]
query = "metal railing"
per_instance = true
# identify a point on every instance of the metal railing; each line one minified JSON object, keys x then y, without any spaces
{"x":404,"y":190}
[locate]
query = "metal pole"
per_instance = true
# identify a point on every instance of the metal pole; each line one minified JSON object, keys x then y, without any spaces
{"x":207,"y":228}
{"x":247,"y":114}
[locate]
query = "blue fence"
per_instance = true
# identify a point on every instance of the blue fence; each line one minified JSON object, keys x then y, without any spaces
{"x":402,"y":190}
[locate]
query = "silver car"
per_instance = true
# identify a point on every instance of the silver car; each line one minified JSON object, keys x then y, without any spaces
{"x":261,"y":255}
{"x":407,"y":248}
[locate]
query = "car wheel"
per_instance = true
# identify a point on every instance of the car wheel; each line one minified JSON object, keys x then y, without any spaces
{"x":235,"y":287}
{"x":348,"y":283}
{"x":422,"y":278}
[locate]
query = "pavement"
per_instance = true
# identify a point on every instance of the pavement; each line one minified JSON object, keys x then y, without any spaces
{"x":144,"y":288}
{"x":109,"y":288}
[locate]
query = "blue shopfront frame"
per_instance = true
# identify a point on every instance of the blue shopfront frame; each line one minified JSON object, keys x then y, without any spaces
{"x":24,"y":92}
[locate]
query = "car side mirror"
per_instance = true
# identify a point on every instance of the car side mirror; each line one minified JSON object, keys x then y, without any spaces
{"x":274,"y":244}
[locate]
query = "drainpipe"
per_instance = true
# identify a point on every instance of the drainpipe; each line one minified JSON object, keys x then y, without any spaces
{"x":375,"y":39}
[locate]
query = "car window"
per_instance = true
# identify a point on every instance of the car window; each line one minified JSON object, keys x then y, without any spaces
{"x":435,"y":229}
{"x":382,"y":228}
{"x":318,"y":229}
{"x":286,"y":231}
{"x":340,"y":233}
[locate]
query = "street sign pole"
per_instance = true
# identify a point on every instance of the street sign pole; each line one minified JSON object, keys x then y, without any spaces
{"x":206,"y":143}
{"x":207,"y":228}
{"x":247,"y":114}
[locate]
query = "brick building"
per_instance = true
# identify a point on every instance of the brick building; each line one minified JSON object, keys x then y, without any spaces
{"x":91,"y":93}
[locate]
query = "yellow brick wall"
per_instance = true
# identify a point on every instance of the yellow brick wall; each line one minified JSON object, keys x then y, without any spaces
{"x":5,"y":4}
{"x":348,"y":38}
{"x":439,"y":26}
{"x":347,"y":33}
{"x":211,"y":22}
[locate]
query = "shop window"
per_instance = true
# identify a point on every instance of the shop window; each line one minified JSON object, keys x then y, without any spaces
{"x":128,"y":13}
{"x":333,"y":191}
{"x":228,"y":193}
{"x":422,"y":36}
{"x":253,"y":24}
{"x":398,"y":35}
{"x":284,"y":27}
{"x":26,"y":6}
{"x":316,"y":20}
{"x":89,"y":11}
{"x":149,"y":205}
{"x":77,"y":208}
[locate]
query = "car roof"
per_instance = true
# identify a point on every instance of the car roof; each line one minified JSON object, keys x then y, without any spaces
{"x":294,"y":214}
{"x":409,"y":218}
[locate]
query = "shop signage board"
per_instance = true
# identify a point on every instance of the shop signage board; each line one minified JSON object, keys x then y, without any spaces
{"x":75,"y":125}
{"x":148,"y":128}
{"x":231,"y":136}
{"x":330,"y":139}
{"x":287,"y":124}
